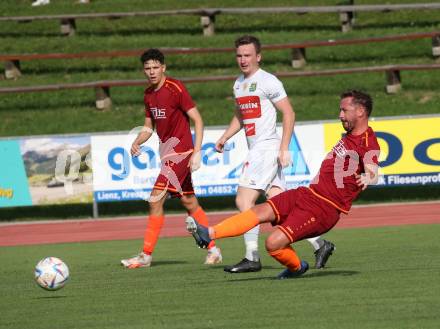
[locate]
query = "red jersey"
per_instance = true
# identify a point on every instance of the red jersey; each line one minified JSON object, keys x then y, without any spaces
{"x":167,"y":108}
{"x":336,"y":182}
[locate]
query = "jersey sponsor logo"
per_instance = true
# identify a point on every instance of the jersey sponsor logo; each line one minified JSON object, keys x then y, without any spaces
{"x":249,"y":106}
{"x":274,"y":95}
{"x":340,"y":149}
{"x":158,"y":113}
{"x":249,"y":129}
{"x":253,"y":87}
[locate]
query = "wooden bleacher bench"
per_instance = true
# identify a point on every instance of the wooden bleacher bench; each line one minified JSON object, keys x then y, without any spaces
{"x":298,"y":59}
{"x":207,"y":15}
{"x":102,"y":88}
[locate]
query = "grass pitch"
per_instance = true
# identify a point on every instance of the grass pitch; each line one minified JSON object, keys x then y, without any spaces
{"x":377,"y":278}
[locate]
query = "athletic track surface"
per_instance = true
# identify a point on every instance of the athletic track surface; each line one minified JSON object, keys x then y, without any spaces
{"x":30,"y":233}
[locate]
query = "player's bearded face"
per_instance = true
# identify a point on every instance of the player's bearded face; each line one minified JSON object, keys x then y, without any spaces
{"x":154,"y":71}
{"x":247,"y":59}
{"x":347,"y":114}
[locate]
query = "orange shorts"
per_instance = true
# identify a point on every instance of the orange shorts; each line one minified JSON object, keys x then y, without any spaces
{"x":302,"y":215}
{"x":175,"y":177}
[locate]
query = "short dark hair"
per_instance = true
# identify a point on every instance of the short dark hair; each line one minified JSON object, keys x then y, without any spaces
{"x":247,"y":40}
{"x":359,"y":98}
{"x":153,"y":54}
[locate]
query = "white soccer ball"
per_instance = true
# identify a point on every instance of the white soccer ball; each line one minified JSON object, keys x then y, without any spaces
{"x":51,"y":273}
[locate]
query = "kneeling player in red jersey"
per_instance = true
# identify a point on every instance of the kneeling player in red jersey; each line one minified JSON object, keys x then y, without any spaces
{"x":306,"y":212}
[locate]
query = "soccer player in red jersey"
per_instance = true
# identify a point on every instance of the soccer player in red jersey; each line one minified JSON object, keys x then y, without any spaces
{"x":306,"y":212}
{"x":169,"y":108}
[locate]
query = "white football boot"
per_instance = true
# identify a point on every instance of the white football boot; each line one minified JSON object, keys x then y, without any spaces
{"x":40,"y":3}
{"x":213,"y":257}
{"x":141,"y":260}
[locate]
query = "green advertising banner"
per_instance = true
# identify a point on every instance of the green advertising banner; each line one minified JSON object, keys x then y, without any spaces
{"x":14,"y":189}
{"x":45,"y":170}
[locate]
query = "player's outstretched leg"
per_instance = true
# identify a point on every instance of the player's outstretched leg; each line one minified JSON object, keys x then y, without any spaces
{"x":199,"y":232}
{"x":323,"y":253}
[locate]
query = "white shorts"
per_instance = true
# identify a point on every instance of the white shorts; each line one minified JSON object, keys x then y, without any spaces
{"x":261,"y":169}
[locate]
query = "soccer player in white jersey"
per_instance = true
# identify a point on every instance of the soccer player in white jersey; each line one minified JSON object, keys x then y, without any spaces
{"x":258,"y":94}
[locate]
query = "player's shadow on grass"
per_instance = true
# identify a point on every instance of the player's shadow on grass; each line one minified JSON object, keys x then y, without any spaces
{"x":312,"y":274}
{"x":329,"y":272}
{"x":50,"y":297}
{"x":168,"y":262}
